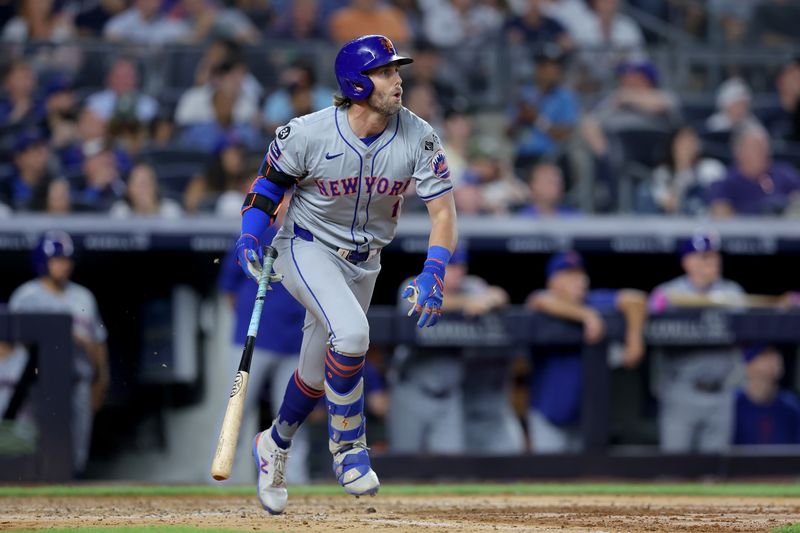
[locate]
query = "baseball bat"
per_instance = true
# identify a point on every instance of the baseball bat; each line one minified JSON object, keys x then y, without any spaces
{"x":229,"y":432}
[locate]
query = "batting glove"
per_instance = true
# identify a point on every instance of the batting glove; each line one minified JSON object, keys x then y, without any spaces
{"x":426,"y":293}
{"x":249,"y":256}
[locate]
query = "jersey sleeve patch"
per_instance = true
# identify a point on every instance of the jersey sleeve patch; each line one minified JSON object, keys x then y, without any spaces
{"x":439,"y":165}
{"x":285,"y":131}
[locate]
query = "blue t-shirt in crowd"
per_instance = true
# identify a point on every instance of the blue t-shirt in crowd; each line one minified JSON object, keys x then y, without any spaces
{"x":557,"y":376}
{"x":559,"y":106}
{"x":281,"y":326}
{"x":776,"y":423}
{"x":766,"y":195}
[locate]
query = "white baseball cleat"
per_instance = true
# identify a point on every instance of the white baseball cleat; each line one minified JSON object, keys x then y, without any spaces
{"x":271,"y":464}
{"x":352,"y":469}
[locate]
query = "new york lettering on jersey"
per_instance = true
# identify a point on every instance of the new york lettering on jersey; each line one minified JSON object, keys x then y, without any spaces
{"x":350,"y":193}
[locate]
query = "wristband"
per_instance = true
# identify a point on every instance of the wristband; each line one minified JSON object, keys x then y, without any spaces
{"x":438,"y":257}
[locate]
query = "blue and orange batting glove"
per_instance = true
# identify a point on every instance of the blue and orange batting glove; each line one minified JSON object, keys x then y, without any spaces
{"x":426,"y":292}
{"x":249,"y":256}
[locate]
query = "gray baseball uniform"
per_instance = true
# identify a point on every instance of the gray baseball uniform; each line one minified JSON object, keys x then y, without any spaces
{"x":346,"y":203}
{"x":78,"y":301}
{"x":695,"y":387}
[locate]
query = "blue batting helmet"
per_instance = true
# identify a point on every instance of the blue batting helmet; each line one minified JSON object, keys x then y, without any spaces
{"x":55,"y":243}
{"x":358,"y":56}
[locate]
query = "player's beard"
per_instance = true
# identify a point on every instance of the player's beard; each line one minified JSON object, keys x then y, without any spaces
{"x":385,"y":104}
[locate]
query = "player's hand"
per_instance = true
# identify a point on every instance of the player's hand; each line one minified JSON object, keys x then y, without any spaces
{"x":426,"y":293}
{"x":634,"y":351}
{"x":593,"y":327}
{"x":249,"y":256}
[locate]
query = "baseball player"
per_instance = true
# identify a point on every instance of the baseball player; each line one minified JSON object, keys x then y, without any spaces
{"x":766,"y":413}
{"x":696,"y":386}
{"x":53,"y":292}
{"x":349,"y":165}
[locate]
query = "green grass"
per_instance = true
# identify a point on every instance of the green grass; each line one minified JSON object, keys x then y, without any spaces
{"x":667,"y":489}
{"x":791,"y":528}
{"x":137,"y":529}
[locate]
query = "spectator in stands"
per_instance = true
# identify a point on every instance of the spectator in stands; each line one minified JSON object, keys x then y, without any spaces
{"x":221,"y":52}
{"x":52,"y":291}
{"x":546,"y":184}
{"x":680,"y":184}
{"x":229,"y":77}
{"x":695,"y":386}
{"x":225,"y":172}
{"x":557,"y":377}
{"x":369,"y":16}
{"x":571,"y":14}
{"x":546,"y":112}
{"x":31,"y":157}
{"x":782,"y":117}
{"x":143,"y":197}
{"x":489,"y":186}
{"x":61,"y":107}
{"x":765,"y":413}
{"x":53,"y":198}
{"x":421,"y":100}
{"x":469,"y":23}
{"x":636,"y":104}
{"x":208,"y":19}
{"x":19,"y":106}
{"x":39,"y":20}
{"x":90,"y":126}
{"x":755,"y":184}
{"x":733,"y":107}
{"x":606,"y":38}
{"x":91,"y":20}
{"x":298,"y":95}
{"x":533,"y":27}
{"x":732,"y":17}
{"x":143,"y":23}
{"x":122,"y":83}
{"x":102,"y":182}
{"x":427,"y":70}
{"x":301,"y":20}
{"x":773,"y":23}
{"x":228,"y":203}
{"x":210,"y":134}
{"x":456,"y":136}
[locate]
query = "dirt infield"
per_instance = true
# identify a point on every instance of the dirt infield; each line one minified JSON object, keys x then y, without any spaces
{"x":310,"y":513}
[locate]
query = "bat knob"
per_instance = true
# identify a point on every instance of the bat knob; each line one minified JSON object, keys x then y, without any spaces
{"x":269,"y":251}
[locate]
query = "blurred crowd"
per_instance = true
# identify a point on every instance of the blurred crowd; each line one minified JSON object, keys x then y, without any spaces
{"x":547,"y":108}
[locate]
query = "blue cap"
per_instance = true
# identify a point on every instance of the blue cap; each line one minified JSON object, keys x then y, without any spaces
{"x":27,"y":138}
{"x":460,"y":255}
{"x":570,"y":260}
{"x":753,"y":351}
{"x":57,"y":84}
{"x":700,"y":242}
{"x":226,"y":142}
{"x":645,"y":68}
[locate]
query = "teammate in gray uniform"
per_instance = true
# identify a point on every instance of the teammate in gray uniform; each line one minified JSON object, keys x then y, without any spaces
{"x":696,"y":386}
{"x":349,"y":165}
{"x":455,"y":400}
{"x":53,"y":292}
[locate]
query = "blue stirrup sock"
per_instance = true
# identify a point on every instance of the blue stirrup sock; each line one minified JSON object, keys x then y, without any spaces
{"x":298,"y":402}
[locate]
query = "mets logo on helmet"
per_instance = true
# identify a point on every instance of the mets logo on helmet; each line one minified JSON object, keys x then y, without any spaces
{"x":387,"y":44}
{"x":439,"y":166}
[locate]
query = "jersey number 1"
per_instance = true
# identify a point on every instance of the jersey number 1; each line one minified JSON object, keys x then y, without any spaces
{"x":395,"y":208}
